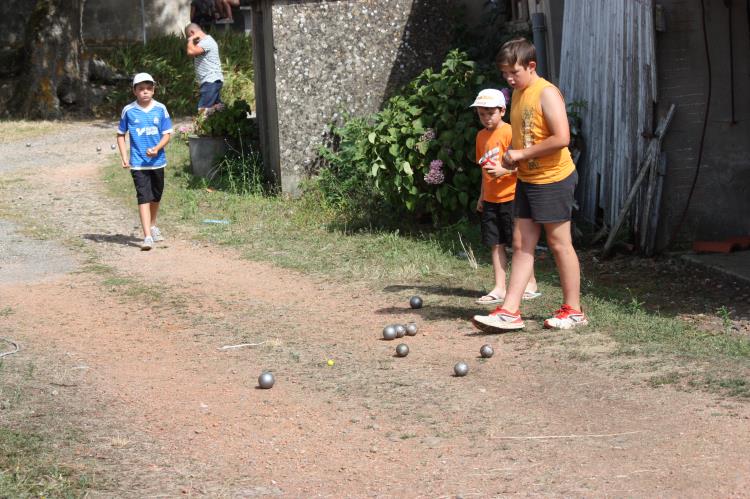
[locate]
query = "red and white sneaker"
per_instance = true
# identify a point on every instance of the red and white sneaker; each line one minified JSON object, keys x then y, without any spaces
{"x":566,"y":318}
{"x":499,"y":320}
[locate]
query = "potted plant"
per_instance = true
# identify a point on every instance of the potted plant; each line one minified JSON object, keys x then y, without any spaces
{"x":215,"y":132}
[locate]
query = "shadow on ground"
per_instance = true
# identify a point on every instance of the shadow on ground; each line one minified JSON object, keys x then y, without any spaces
{"x":121,"y":239}
{"x":434,"y":290}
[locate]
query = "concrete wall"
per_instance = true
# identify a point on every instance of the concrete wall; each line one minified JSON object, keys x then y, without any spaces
{"x":348,"y":56}
{"x":104,"y":21}
{"x":720,"y":204}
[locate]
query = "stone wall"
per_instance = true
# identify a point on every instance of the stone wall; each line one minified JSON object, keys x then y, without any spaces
{"x":346,"y":57}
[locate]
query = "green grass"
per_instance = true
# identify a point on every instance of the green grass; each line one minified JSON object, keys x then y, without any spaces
{"x":28,"y":470}
{"x":302,"y":234}
{"x":29,"y":459}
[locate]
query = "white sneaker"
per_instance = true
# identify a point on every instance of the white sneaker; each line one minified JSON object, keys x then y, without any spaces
{"x":147,"y":243}
{"x":156,"y":234}
{"x":566,"y":318}
{"x":499,"y":320}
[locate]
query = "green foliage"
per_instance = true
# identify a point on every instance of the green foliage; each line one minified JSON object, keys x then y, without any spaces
{"x":241,"y":172}
{"x":575,"y":121}
{"x":233,"y":121}
{"x":345,"y":182}
{"x":165,"y":59}
{"x":428,"y":121}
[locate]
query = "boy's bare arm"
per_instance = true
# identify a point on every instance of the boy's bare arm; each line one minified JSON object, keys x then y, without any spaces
{"x":556,"y":117}
{"x":495,"y":170}
{"x":124,"y":161}
{"x":153,"y":151}
{"x":193,"y":49}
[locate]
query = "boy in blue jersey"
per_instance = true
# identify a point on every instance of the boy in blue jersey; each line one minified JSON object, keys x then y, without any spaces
{"x":150,"y":128}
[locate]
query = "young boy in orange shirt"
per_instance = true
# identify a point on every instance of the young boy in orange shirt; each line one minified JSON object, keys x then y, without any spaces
{"x":498,"y":189}
{"x":547,"y":179}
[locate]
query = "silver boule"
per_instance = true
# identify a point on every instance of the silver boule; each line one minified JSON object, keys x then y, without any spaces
{"x":400,"y":330}
{"x":389,"y":333}
{"x":266,"y":380}
{"x":486,"y":351}
{"x":28,"y":144}
{"x":113,"y":147}
{"x":402,"y":350}
{"x":98,"y":148}
{"x":415,"y":302}
{"x":411,"y":329}
{"x":461,"y":369}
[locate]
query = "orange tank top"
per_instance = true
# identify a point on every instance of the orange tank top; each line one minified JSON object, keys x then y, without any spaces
{"x":491,"y":145}
{"x":529,"y":128}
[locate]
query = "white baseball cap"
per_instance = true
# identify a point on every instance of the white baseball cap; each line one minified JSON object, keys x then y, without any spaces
{"x":141,"y":77}
{"x":489,"y":97}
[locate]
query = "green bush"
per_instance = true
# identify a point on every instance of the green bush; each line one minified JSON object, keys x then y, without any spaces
{"x":418,"y":152}
{"x":165,"y":59}
{"x":233,"y":121}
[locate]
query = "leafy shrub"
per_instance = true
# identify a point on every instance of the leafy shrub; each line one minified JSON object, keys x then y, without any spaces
{"x":233,"y":121}
{"x":165,"y":59}
{"x":418,"y":152}
{"x":345,"y":182}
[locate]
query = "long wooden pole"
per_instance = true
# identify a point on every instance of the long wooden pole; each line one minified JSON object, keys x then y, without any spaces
{"x":649,"y":159}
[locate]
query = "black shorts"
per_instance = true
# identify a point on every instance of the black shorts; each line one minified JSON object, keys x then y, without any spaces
{"x":497,"y":223}
{"x":149,"y":185}
{"x":546,"y":203}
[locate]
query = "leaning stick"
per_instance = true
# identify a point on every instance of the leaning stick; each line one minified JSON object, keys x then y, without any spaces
{"x":652,"y":153}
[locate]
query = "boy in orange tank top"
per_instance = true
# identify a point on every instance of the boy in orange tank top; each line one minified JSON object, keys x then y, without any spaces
{"x":544,"y":193}
{"x":495,"y":203}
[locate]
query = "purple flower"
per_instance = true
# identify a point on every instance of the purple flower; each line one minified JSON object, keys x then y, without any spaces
{"x":435,"y":176}
{"x":428,"y":135}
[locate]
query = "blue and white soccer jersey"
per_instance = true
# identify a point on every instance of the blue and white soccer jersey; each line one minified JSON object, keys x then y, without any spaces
{"x":146,"y":127}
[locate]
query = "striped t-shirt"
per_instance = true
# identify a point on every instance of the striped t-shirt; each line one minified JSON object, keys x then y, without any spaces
{"x":146,"y":127}
{"x":208,"y":64}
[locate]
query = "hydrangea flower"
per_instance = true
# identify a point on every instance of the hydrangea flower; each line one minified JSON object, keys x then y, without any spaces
{"x":428,"y":135}
{"x":435,"y":176}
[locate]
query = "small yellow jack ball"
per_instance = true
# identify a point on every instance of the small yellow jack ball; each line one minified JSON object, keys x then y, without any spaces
{"x":331,"y":362}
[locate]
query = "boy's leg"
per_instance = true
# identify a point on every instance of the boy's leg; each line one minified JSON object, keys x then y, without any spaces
{"x":153,"y":211}
{"x":144,"y":210}
{"x":525,"y":236}
{"x":499,"y":264}
{"x":560,"y":242}
{"x":496,"y":225}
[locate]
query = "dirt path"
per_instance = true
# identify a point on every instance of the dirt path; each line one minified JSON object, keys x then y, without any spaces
{"x":163,"y":411}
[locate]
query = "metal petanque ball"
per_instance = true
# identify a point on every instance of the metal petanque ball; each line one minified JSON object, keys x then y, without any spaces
{"x":113,"y":147}
{"x":28,"y":144}
{"x":389,"y":333}
{"x":411,"y":329}
{"x":266,"y":380}
{"x":415,"y":302}
{"x":400,"y":331}
{"x":461,"y":369}
{"x":402,"y":350}
{"x":486,"y":351}
{"x":98,"y":148}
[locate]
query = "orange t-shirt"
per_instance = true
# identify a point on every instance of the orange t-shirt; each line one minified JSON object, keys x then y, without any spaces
{"x":529,"y":128}
{"x":491,"y":145}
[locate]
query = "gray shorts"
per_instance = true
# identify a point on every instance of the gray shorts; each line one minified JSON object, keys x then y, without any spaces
{"x":546,"y":203}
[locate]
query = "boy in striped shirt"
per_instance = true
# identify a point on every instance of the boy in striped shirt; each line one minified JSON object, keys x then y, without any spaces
{"x":150,"y":128}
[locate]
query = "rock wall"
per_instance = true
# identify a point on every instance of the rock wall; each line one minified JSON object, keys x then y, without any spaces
{"x":346,"y":57}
